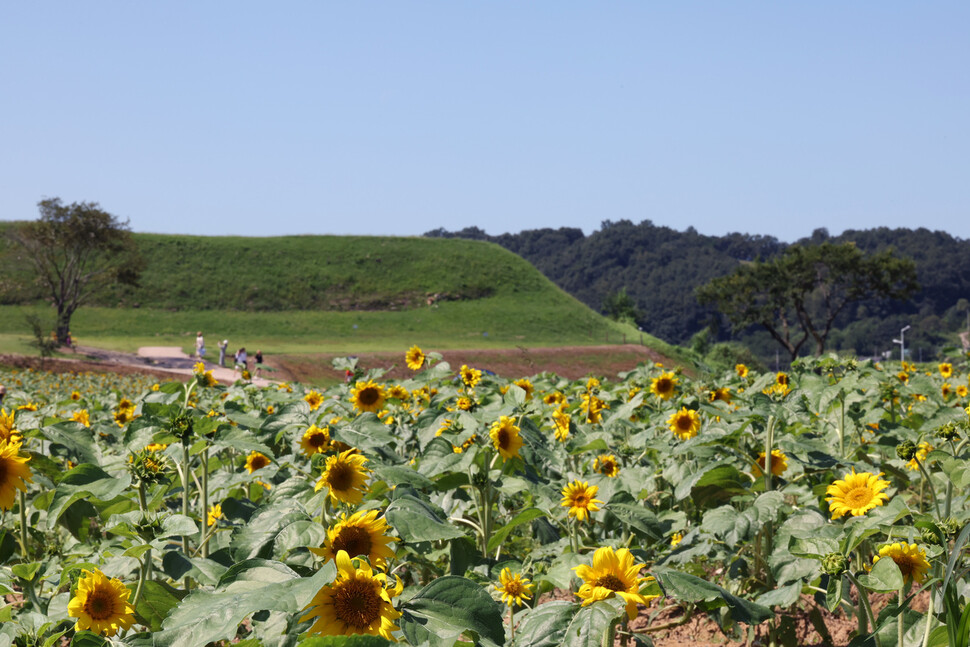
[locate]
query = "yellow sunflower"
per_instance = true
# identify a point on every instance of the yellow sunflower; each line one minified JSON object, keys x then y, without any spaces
{"x":856,"y":494}
{"x":910,"y":558}
{"x":256,"y":461}
{"x":903,"y":376}
{"x":741,"y":370}
{"x":781,"y":379}
{"x":314,"y":399}
{"x":556,"y":397}
{"x":414,"y":358}
{"x":515,"y":588}
{"x":613,"y":573}
{"x":684,"y":423}
{"x":593,"y":407}
{"x":723,"y":394}
{"x":315,"y":440}
{"x":75,"y":395}
{"x":368,"y":396}
{"x":14,"y":473}
{"x":358,"y":602}
{"x":362,"y":534}
{"x":465,"y":403}
{"x":124,"y":416}
{"x":101,"y":605}
{"x":664,"y":386}
{"x":8,"y":429}
{"x":607,"y":464}
{"x":398,"y":392}
{"x":505,"y":437}
{"x":214,"y":514}
{"x":470,"y":376}
{"x":962,"y":391}
{"x":560,"y":422}
{"x":345,"y":476}
{"x":946,"y":370}
{"x":676,"y":538}
{"x":578,"y":496}
{"x":779,"y":463}
{"x":81,"y":415}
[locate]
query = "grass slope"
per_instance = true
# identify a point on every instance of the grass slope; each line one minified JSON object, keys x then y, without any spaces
{"x":298,"y":295}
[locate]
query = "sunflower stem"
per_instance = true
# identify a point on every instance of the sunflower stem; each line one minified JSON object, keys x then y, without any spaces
{"x":609,"y":636}
{"x":511,"y":624}
{"x":23,"y":523}
{"x":900,"y":626}
{"x":842,"y":426}
{"x":185,"y":493}
{"x":864,"y":610}
{"x":929,"y":484}
{"x":142,"y":576}
{"x":205,"y":502}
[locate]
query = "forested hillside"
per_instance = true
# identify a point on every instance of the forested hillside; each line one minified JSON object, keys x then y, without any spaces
{"x":660,"y":268}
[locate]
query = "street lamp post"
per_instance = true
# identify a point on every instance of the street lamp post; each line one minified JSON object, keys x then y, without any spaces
{"x":902,"y":344}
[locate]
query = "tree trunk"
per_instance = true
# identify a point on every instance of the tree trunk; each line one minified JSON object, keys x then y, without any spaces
{"x":63,"y":324}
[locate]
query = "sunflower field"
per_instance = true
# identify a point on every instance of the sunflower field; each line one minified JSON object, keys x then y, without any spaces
{"x":458,"y":507}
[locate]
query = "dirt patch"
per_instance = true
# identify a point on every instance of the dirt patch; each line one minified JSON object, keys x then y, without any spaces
{"x":570,"y":362}
{"x":87,"y":365}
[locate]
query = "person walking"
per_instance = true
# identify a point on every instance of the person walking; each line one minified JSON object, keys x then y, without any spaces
{"x":259,"y":362}
{"x":223,"y":345}
{"x":199,"y":345}
{"x":241,"y":360}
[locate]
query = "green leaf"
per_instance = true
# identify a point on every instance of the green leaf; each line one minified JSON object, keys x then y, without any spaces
{"x":416,"y":520}
{"x":257,"y":537}
{"x":784,"y":596}
{"x":718,"y":480}
{"x":154,"y":605}
{"x":81,"y":483}
{"x":523,"y":517}
{"x":817,"y":547}
{"x":591,"y":622}
{"x":205,"y":617}
{"x":366,"y":431}
{"x":885,"y":577}
{"x":638,"y":518}
{"x":448,"y":607}
{"x":545,"y":625}
{"x":88,"y":639}
{"x":239,"y":440}
{"x":694,"y":589}
{"x":358,"y":640}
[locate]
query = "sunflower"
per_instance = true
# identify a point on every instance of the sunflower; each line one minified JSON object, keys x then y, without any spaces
{"x":903,"y":377}
{"x":526,"y":386}
{"x":684,"y":423}
{"x":125,"y":403}
{"x":723,"y":394}
{"x":345,"y":476}
{"x":81,"y":415}
{"x":398,"y":392}
{"x":779,"y":463}
{"x":314,"y":399}
{"x":578,"y":497}
{"x":368,"y":396}
{"x":414,"y":358}
{"x":505,"y":437}
{"x":556,"y":397}
{"x":922,"y":450}
{"x":962,"y":391}
{"x":910,"y":558}
{"x":358,"y":602}
{"x":315,"y":440}
{"x":256,"y":461}
{"x":676,"y":538}
{"x":607,"y":464}
{"x":124,"y":416}
{"x":101,"y":605}
{"x":75,"y":395}
{"x":362,"y":534}
{"x":515,"y":588}
{"x":613,"y":573}
{"x":593,"y":407}
{"x":465,"y":403}
{"x":664,"y":386}
{"x":8,"y":430}
{"x":856,"y":494}
{"x":214,"y":514}
{"x":946,"y":370}
{"x":946,"y":389}
{"x":741,"y":370}
{"x":30,"y":406}
{"x":781,"y":378}
{"x":560,"y":422}
{"x":470,"y":376}
{"x":14,"y":473}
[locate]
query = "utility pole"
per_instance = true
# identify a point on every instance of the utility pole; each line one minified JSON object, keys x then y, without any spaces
{"x":902,"y":344}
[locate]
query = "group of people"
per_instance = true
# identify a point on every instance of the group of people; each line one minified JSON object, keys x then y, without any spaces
{"x":240,"y":359}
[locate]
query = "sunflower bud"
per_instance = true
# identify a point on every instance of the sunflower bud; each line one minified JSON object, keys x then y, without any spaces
{"x":948,"y":431}
{"x":835,"y":564}
{"x":950,"y":526}
{"x":929,"y":536}
{"x":148,"y":466}
{"x":906,"y":450}
{"x":181,"y":426}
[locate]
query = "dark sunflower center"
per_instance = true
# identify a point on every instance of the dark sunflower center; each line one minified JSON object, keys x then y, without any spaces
{"x":503,"y":438}
{"x":611,"y":582}
{"x":259,"y":462}
{"x":99,"y":605}
{"x":341,"y":477}
{"x":3,"y":471}
{"x":354,"y":540}
{"x":317,"y":440}
{"x":581,"y":500}
{"x":663,"y":385}
{"x":368,"y":396}
{"x":684,"y":423}
{"x":357,"y":604}
{"x":906,"y":565}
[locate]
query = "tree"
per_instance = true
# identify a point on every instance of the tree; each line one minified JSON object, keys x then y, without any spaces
{"x":618,"y":306}
{"x":798,"y":295}
{"x":77,"y":250}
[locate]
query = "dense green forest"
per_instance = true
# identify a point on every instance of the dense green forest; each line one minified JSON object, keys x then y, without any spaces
{"x":660,"y":268}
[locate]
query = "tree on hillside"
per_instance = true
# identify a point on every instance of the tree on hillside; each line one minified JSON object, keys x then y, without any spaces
{"x":76,"y":250}
{"x":798,"y":295}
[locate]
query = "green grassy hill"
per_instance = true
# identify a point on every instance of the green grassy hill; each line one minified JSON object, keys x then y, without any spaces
{"x":306,"y":294}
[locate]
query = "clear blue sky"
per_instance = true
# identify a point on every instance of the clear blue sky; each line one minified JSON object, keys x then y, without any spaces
{"x":268,"y":118}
